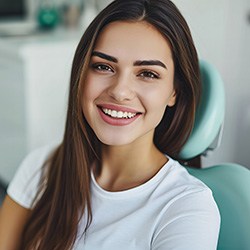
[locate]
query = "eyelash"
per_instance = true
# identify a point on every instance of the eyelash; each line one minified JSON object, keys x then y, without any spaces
{"x":148,"y":74}
{"x":145,"y":74}
{"x":102,"y":67}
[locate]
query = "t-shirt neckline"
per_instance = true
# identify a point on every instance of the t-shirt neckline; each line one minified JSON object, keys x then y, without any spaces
{"x":135,"y":191}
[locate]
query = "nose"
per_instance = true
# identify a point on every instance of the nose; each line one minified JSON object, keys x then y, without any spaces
{"x":121,"y":88}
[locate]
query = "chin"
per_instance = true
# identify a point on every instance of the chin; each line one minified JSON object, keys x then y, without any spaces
{"x":115,"y":140}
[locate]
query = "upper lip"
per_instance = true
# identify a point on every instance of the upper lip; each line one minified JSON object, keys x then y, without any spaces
{"x":118,"y":108}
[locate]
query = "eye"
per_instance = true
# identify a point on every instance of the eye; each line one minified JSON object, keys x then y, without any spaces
{"x":147,"y":74}
{"x":102,"y":67}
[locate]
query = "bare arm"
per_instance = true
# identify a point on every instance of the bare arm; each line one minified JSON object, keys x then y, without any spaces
{"x":12,"y":220}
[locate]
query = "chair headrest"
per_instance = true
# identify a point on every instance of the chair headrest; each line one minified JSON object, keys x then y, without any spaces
{"x":210,"y":113}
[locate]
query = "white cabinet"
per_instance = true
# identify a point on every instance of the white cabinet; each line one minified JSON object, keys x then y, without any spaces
{"x":34,"y":80}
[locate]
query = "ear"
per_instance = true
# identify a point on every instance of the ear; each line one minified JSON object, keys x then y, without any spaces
{"x":172,"y":99}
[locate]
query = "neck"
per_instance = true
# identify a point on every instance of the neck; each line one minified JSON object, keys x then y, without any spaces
{"x":124,"y":167}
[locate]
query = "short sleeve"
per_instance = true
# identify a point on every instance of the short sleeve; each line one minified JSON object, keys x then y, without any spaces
{"x":191,"y":222}
{"x":24,"y":186}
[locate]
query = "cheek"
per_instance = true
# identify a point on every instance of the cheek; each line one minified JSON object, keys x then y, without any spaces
{"x":157,"y":98}
{"x":91,"y":90}
{"x":156,"y":102}
{"x":88,"y":96}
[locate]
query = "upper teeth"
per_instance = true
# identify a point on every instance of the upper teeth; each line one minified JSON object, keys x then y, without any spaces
{"x":118,"y":114}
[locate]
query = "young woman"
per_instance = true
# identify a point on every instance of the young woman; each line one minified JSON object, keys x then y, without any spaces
{"x":113,"y":182}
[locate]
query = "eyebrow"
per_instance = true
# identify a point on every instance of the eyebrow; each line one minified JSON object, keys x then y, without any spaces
{"x":105,"y":56}
{"x":136,"y":63}
{"x":150,"y":62}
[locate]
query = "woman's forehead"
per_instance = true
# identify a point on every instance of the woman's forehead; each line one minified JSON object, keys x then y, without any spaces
{"x":133,"y":40}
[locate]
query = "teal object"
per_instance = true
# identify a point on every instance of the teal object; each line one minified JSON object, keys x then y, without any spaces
{"x":230,"y":184}
{"x":210,"y":113}
{"x":48,"y":18}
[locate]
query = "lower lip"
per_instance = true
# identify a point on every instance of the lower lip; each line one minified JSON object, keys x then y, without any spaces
{"x":117,"y":121}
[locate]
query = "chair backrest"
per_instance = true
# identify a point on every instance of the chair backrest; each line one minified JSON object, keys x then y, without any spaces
{"x":230,"y":183}
{"x":210,"y":114}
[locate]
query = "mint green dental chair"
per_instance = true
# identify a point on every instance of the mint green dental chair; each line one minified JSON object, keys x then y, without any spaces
{"x":230,"y":183}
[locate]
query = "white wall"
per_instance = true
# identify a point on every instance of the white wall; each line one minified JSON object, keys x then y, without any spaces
{"x":34,"y":81}
{"x":222,"y":36}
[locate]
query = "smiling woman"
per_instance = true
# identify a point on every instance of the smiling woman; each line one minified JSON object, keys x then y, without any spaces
{"x":138,"y":83}
{"x":114,"y":182}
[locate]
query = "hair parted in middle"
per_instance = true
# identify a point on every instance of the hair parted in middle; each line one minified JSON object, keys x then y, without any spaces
{"x":177,"y":123}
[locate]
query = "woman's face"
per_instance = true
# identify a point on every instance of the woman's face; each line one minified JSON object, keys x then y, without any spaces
{"x":129,"y":83}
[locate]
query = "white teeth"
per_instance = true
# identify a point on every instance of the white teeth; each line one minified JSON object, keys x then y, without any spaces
{"x":118,"y":114}
{"x":114,"y":113}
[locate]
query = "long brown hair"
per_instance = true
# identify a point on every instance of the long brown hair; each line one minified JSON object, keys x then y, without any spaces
{"x":64,"y":195}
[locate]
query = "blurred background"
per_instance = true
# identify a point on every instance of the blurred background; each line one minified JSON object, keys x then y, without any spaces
{"x":37,"y":44}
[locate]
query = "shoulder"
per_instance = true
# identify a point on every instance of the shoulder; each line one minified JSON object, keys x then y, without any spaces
{"x":24,"y":186}
{"x":185,"y":191}
{"x":176,"y":180}
{"x":191,"y":216}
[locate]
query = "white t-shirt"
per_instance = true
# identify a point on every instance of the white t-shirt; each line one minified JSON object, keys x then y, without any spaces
{"x":173,"y":210}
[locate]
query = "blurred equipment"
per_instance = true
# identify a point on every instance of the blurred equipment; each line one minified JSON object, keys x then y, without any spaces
{"x":17,"y":17}
{"x":47,"y":14}
{"x":71,"y":13}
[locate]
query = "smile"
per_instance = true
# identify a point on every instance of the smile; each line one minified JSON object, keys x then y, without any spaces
{"x":118,"y":114}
